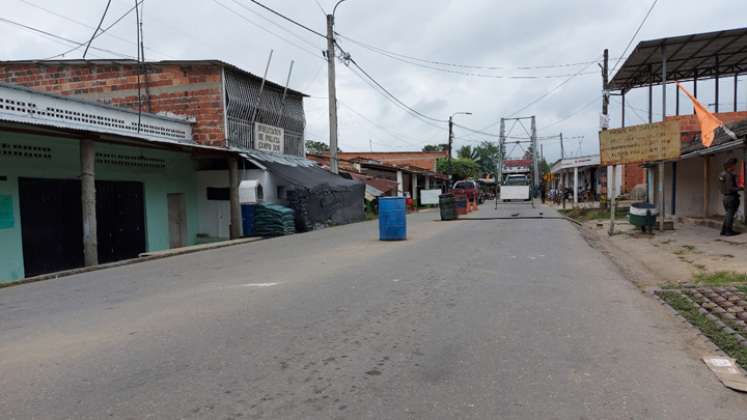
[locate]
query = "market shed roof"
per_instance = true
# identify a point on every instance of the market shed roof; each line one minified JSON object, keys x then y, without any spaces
{"x":702,"y":55}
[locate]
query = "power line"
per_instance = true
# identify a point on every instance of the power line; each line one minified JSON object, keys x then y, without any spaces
{"x":300,"y":25}
{"x":101,"y":21}
{"x":573,"y":114}
{"x":103,"y":31}
{"x":625,"y":51}
{"x":551,"y":91}
{"x":246,"y":19}
{"x":270,"y":21}
{"x":469,"y":66}
{"x":83,"y":24}
{"x":471,"y":74}
{"x":55,"y":36}
{"x":324,"y":12}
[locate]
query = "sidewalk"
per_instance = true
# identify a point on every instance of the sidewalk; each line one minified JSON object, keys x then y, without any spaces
{"x":674,"y":256}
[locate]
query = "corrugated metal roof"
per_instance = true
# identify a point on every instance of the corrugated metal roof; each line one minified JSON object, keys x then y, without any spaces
{"x":703,"y":55}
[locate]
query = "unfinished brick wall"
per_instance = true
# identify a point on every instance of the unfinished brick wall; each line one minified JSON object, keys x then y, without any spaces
{"x":634,"y":174}
{"x":424,"y":160}
{"x":191,"y":90}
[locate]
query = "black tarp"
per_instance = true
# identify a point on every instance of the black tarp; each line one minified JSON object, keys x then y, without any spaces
{"x":320,"y":198}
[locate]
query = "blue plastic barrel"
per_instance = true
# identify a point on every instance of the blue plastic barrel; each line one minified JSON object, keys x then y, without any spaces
{"x":392,"y":219}
{"x":248,"y":212}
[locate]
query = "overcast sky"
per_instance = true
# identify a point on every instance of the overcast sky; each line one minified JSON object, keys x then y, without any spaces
{"x":528,"y":38}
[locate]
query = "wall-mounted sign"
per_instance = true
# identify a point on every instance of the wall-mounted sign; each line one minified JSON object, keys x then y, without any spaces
{"x":6,"y":212}
{"x":268,"y":138}
{"x":640,"y":143}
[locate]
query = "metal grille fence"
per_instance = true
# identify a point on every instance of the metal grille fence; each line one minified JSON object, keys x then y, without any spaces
{"x":242,"y":98}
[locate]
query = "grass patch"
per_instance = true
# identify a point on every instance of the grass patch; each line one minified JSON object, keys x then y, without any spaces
{"x":725,"y":342}
{"x":720,"y":277}
{"x":583,"y":215}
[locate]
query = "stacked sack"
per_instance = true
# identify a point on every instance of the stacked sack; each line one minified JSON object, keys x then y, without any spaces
{"x":274,"y":220}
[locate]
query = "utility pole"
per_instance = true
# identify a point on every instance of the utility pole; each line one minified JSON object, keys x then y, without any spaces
{"x":332,"y":94}
{"x":612,"y":182}
{"x":451,"y":140}
{"x":535,"y":155}
{"x":501,"y":150}
{"x":562,"y":148}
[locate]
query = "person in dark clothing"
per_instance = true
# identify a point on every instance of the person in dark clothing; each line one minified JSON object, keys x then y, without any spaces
{"x":730,"y":192}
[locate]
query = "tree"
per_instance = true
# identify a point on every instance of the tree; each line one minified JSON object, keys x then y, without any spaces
{"x":316,"y":147}
{"x":489,"y":155}
{"x":467,"y":152}
{"x":435,"y":147}
{"x":460,"y":168}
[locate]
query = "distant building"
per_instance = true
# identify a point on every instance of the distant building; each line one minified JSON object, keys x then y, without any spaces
{"x":422,"y":160}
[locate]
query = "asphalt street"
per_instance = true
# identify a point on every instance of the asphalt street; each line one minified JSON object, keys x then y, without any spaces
{"x":475,"y":319}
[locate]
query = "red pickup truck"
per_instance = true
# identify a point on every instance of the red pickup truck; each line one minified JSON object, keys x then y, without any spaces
{"x":469,"y":188}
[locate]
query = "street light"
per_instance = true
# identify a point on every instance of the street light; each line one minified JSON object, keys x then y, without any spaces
{"x":451,"y":137}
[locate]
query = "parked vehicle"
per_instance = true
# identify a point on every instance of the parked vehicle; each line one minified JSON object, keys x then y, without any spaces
{"x":515,"y":187}
{"x":468,"y":187}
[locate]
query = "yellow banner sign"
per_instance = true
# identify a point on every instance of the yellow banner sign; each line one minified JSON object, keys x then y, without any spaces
{"x":640,"y":143}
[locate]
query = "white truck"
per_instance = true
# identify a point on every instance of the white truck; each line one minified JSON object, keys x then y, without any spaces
{"x":515,"y":187}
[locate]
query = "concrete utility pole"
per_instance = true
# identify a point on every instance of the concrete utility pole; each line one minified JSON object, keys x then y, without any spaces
{"x":663,"y":118}
{"x":332,"y":94}
{"x":501,"y":150}
{"x":535,"y":156}
{"x":612,"y":181}
{"x":562,"y":148}
{"x":88,"y":201}
{"x":451,"y":140}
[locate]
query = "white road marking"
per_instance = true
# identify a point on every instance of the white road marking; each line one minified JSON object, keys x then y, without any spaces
{"x":260,"y":284}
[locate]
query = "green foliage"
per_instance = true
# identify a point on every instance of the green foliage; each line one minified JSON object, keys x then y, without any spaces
{"x":460,"y":168}
{"x":467,"y":152}
{"x":724,"y":341}
{"x":720,"y":277}
{"x":317,"y":147}
{"x":435,"y":147}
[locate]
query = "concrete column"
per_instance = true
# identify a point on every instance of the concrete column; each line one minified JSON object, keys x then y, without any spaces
{"x":575,"y":186}
{"x":235,"y":206}
{"x":706,"y":183}
{"x":415,"y":188}
{"x":660,"y":204}
{"x":427,"y":182}
{"x":88,"y":200}
{"x":400,"y":184}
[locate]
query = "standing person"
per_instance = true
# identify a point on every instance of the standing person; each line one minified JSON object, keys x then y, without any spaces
{"x":730,"y":193}
{"x":543,"y":191}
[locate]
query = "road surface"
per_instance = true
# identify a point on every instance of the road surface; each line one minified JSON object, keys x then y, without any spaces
{"x":488,"y":319}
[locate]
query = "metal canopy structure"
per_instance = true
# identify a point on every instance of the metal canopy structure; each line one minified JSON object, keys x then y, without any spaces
{"x":687,"y":57}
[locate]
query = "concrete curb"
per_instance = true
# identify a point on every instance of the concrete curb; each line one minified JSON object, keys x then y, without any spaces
{"x":148,"y":256}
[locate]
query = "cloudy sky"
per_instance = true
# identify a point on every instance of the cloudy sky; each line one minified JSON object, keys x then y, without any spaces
{"x":512,"y":53}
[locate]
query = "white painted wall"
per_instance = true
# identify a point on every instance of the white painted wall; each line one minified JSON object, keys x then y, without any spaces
{"x":214,"y":216}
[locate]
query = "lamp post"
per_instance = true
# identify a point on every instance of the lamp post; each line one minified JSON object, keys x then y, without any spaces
{"x":451,"y":139}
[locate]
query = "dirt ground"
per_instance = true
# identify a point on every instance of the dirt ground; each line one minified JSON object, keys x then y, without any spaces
{"x":674,"y":256}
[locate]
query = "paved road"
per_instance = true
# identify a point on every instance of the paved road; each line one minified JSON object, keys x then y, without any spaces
{"x":466,"y":320}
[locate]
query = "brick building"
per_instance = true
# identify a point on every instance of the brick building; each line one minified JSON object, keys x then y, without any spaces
{"x":260,"y":121}
{"x":423,"y":160}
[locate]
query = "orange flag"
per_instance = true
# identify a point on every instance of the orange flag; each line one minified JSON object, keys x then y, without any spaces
{"x":708,"y":122}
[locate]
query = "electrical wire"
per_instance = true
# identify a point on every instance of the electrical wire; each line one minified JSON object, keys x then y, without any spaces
{"x":83,"y":24}
{"x":442,"y":63}
{"x":61,"y":38}
{"x":95,"y":31}
{"x":324,"y":12}
{"x":300,"y":25}
{"x":573,"y":114}
{"x":477,"y":75}
{"x":246,"y":19}
{"x":103,"y":31}
{"x":551,"y":91}
{"x":277,"y":25}
{"x":625,"y":51}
